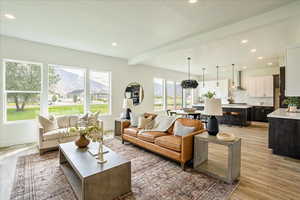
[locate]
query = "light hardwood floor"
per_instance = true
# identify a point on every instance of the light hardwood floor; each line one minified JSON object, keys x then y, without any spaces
{"x":263,"y":175}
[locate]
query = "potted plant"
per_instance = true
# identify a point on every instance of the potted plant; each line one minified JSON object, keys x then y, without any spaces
{"x":85,"y":133}
{"x":210,"y":95}
{"x":293,"y":103}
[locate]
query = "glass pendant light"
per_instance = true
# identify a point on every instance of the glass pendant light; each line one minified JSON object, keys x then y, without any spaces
{"x":218,"y":84}
{"x":233,"y":83}
{"x":203,"y":84}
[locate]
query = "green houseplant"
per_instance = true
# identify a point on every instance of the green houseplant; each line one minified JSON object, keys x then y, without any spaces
{"x":293,"y":103}
{"x":210,"y":95}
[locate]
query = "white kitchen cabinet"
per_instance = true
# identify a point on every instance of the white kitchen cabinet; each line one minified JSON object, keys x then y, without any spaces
{"x":260,"y":86}
{"x":292,"y":74}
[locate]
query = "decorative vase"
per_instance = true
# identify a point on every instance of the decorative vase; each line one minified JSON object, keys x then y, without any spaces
{"x":292,"y":108}
{"x":212,"y":126}
{"x":82,"y":142}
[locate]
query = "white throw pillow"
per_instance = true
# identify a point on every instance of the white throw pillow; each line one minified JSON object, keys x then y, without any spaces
{"x":49,"y":123}
{"x":181,"y":130}
{"x":134,"y":119}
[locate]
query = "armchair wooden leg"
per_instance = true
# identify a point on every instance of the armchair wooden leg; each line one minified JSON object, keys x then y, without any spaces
{"x":182,"y":166}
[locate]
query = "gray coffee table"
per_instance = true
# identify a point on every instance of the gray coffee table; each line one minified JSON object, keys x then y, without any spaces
{"x":91,"y":180}
{"x":204,"y":165}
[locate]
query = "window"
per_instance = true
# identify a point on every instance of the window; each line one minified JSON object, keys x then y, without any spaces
{"x":158,"y":94}
{"x":170,"y":94}
{"x":188,"y":98}
{"x":179,"y":92}
{"x":22,"y":90}
{"x":66,"y":90}
{"x":100,"y":92}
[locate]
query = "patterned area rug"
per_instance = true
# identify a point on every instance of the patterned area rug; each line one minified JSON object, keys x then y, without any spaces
{"x":153,"y":177}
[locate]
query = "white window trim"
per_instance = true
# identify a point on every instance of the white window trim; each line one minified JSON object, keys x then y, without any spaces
{"x":5,"y":92}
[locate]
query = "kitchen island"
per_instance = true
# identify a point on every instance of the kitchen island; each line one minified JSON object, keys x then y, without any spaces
{"x":284,"y":133}
{"x":233,"y":114}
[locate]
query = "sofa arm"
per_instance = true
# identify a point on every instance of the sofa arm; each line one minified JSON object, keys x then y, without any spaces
{"x":41,"y":132}
{"x":124,"y":124}
{"x":187,"y":145}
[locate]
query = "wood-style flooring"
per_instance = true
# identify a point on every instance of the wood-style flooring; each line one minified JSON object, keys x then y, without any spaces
{"x":263,"y":175}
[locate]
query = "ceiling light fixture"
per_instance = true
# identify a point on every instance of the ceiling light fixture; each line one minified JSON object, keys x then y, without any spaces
{"x":244,"y":41}
{"x":189,"y":83}
{"x":245,"y":67}
{"x":253,"y":50}
{"x":114,"y":44}
{"x":217,"y":76}
{"x":260,"y":58}
{"x":203,"y":83}
{"x":270,"y":63}
{"x":9,"y":16}
{"x":233,"y":84}
{"x":193,"y":1}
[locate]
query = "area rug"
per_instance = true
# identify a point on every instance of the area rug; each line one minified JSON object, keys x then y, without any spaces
{"x":153,"y":178}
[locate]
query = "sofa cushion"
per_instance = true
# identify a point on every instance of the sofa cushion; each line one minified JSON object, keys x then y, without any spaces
{"x":58,"y":133}
{"x":49,"y":123}
{"x":73,"y":119}
{"x":150,"y":136}
{"x":63,"y":121}
{"x":131,"y":131}
{"x":170,"y":142}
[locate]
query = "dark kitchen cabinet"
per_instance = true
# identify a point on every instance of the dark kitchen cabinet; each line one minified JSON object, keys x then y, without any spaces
{"x":259,"y":113}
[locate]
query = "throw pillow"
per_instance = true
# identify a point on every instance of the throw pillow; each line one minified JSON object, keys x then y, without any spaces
{"x":49,"y":123}
{"x":181,"y":130}
{"x":145,"y":123}
{"x":93,"y":118}
{"x":134,"y":119}
{"x":73,"y":120}
{"x":63,"y":121}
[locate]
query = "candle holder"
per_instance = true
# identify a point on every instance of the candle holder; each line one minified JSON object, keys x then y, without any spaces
{"x":101,"y":153}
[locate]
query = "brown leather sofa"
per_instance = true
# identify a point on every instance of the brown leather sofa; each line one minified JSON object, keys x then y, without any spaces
{"x":178,"y":148}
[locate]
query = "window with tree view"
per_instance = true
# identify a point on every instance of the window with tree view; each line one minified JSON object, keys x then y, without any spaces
{"x":100,"y":92}
{"x":158,"y":94}
{"x":170,"y":94}
{"x":22,"y":89}
{"x":66,"y":90}
{"x":179,"y":92}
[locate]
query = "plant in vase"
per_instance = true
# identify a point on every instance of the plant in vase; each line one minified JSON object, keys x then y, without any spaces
{"x":85,"y":134}
{"x":293,"y":103}
{"x":209,"y":95}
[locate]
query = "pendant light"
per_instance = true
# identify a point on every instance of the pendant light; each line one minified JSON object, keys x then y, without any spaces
{"x":218,"y":84}
{"x":233,"y":83}
{"x":189,"y":83}
{"x":203,"y":84}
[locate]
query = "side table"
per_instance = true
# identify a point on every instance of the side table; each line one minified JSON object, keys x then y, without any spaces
{"x":118,"y":126}
{"x":204,"y":165}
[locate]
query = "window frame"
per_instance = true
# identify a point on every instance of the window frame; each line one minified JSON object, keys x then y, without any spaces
{"x":89,"y":71}
{"x":163,"y":95}
{"x":5,"y":92}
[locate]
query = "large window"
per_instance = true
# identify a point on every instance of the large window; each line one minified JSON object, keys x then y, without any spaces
{"x":22,"y":89}
{"x":170,"y":95}
{"x":100,"y":92}
{"x":188,"y":97}
{"x":158,"y":94}
{"x":66,"y":90}
{"x":179,"y":92}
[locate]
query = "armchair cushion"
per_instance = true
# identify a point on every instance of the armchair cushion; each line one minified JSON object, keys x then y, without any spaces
{"x":58,"y":133}
{"x":170,"y":142}
{"x":63,"y":121}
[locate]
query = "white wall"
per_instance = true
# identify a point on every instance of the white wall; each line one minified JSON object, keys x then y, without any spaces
{"x":122,"y":74}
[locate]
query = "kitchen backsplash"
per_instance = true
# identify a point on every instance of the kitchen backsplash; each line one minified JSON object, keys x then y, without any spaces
{"x":241,"y":96}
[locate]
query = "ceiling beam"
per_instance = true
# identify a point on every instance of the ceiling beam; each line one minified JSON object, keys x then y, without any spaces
{"x":279,"y":14}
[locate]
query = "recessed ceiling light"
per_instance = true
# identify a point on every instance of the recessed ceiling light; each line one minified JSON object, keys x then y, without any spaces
{"x":244,"y":41}
{"x":245,"y":67}
{"x":193,"y":1}
{"x":253,"y":50}
{"x":260,"y":58}
{"x":9,"y":16}
{"x":270,"y":63}
{"x":114,"y":44}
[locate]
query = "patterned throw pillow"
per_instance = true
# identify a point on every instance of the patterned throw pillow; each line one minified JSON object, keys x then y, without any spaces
{"x":49,"y":123}
{"x":145,"y":123}
{"x":181,"y":130}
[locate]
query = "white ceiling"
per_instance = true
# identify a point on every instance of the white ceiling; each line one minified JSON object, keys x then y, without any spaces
{"x":141,"y":25}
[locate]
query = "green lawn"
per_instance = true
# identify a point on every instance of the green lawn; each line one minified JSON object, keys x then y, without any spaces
{"x":32,"y":112}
